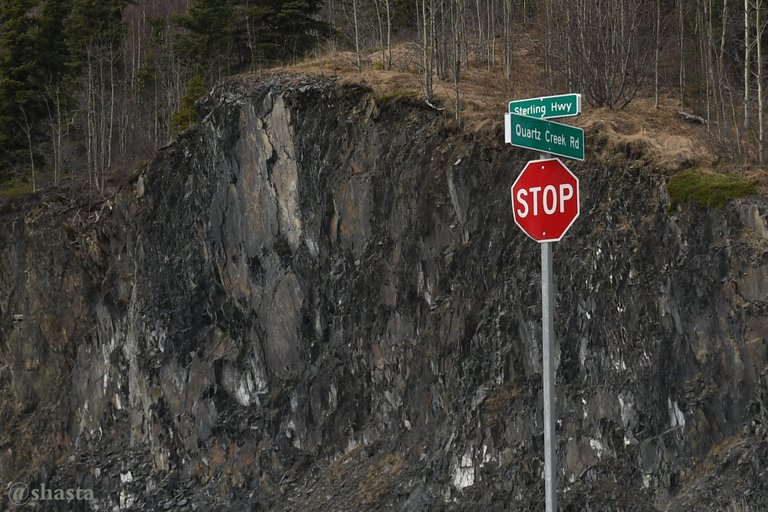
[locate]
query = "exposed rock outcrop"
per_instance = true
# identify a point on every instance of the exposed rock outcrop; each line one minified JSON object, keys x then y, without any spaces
{"x":314,"y":300}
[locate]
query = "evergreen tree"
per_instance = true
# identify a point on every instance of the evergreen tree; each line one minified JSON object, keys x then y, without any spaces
{"x":20,"y":83}
{"x":282,"y":29}
{"x":208,"y":40}
{"x":187,"y":115}
{"x":298,"y":19}
{"x":93,"y":24}
{"x":226,"y":36}
{"x":53,"y":54}
{"x":57,"y":95}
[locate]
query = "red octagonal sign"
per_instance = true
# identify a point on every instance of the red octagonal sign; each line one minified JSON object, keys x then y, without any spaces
{"x":545,"y":199}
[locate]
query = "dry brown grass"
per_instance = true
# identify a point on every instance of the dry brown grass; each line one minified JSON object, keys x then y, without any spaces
{"x":502,"y":396}
{"x":660,"y":138}
{"x":725,"y":447}
{"x":345,"y":465}
{"x":380,"y":478}
{"x":716,"y":454}
{"x":760,"y":178}
{"x":495,"y":405}
{"x":372,"y":476}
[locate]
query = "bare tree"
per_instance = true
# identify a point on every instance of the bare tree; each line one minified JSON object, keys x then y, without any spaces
{"x":428,"y":47}
{"x":60,"y":120}
{"x":681,"y":29}
{"x":388,"y":8}
{"x":491,"y":33}
{"x":722,"y":79}
{"x":26,"y":127}
{"x":606,"y":51}
{"x":357,"y":34}
{"x":507,"y":41}
{"x":381,"y":31}
{"x":704,"y":43}
{"x":548,"y":21}
{"x":384,"y":22}
{"x":759,"y":29}
{"x":747,"y":63}
{"x":478,"y":12}
{"x":656,"y":49}
{"x":457,"y":15}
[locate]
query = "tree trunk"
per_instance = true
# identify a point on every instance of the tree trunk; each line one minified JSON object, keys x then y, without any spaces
{"x":747,"y":64}
{"x":389,"y":33}
{"x":427,"y":19}
{"x":381,"y":34}
{"x":479,"y":13}
{"x":54,"y":121}
{"x":656,"y":54}
{"x":357,"y":34}
{"x":491,"y":34}
{"x":26,"y":127}
{"x":758,"y":42}
{"x":441,"y":44}
{"x":681,"y":21}
{"x":735,"y":121}
{"x":721,"y":79}
{"x":102,"y":127}
{"x":155,"y":117}
{"x":89,"y":120}
{"x":111,"y":108}
{"x":507,"y":9}
{"x":704,"y":40}
{"x":457,"y":15}
{"x":548,"y":39}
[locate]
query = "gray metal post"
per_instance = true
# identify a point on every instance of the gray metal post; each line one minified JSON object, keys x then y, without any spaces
{"x":548,"y":353}
{"x":548,"y":356}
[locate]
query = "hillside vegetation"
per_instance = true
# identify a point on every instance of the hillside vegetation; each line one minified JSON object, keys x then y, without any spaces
{"x":90,"y":90}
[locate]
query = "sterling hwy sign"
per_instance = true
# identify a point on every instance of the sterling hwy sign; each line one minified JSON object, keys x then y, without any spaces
{"x":545,"y":136}
{"x":545,"y":203}
{"x":545,"y":199}
{"x":548,"y":107}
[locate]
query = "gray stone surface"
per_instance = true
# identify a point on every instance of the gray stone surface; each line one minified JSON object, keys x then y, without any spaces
{"x":314,"y":301}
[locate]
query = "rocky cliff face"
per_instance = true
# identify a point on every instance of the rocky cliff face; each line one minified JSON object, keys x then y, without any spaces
{"x":317,"y":300}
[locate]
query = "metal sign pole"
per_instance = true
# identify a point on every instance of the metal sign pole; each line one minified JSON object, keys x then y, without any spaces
{"x":548,"y":356}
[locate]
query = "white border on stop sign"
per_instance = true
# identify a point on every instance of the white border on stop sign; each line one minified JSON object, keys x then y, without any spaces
{"x":578,"y":199}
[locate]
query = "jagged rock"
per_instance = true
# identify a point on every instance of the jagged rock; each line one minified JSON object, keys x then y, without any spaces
{"x":317,"y":302}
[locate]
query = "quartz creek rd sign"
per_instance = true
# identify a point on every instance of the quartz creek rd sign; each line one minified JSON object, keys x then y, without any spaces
{"x":548,"y":107}
{"x":545,"y":203}
{"x":545,"y":136}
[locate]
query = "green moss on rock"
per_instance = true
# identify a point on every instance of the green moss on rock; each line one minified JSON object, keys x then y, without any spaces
{"x":15,"y":188}
{"x":707,"y":188}
{"x":397,"y":94}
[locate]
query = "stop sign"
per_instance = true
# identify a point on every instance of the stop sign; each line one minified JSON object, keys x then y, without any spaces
{"x":545,"y":199}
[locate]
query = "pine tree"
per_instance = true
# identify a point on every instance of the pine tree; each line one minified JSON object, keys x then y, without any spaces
{"x":283,"y":29}
{"x":208,"y":40}
{"x":53,"y":54}
{"x":187,"y":115}
{"x":226,"y":36}
{"x":20,"y":83}
{"x":53,"y":59}
{"x":93,"y":23}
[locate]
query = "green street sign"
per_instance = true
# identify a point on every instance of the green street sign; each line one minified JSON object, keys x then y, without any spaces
{"x":544,"y":136}
{"x":548,"y":107}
